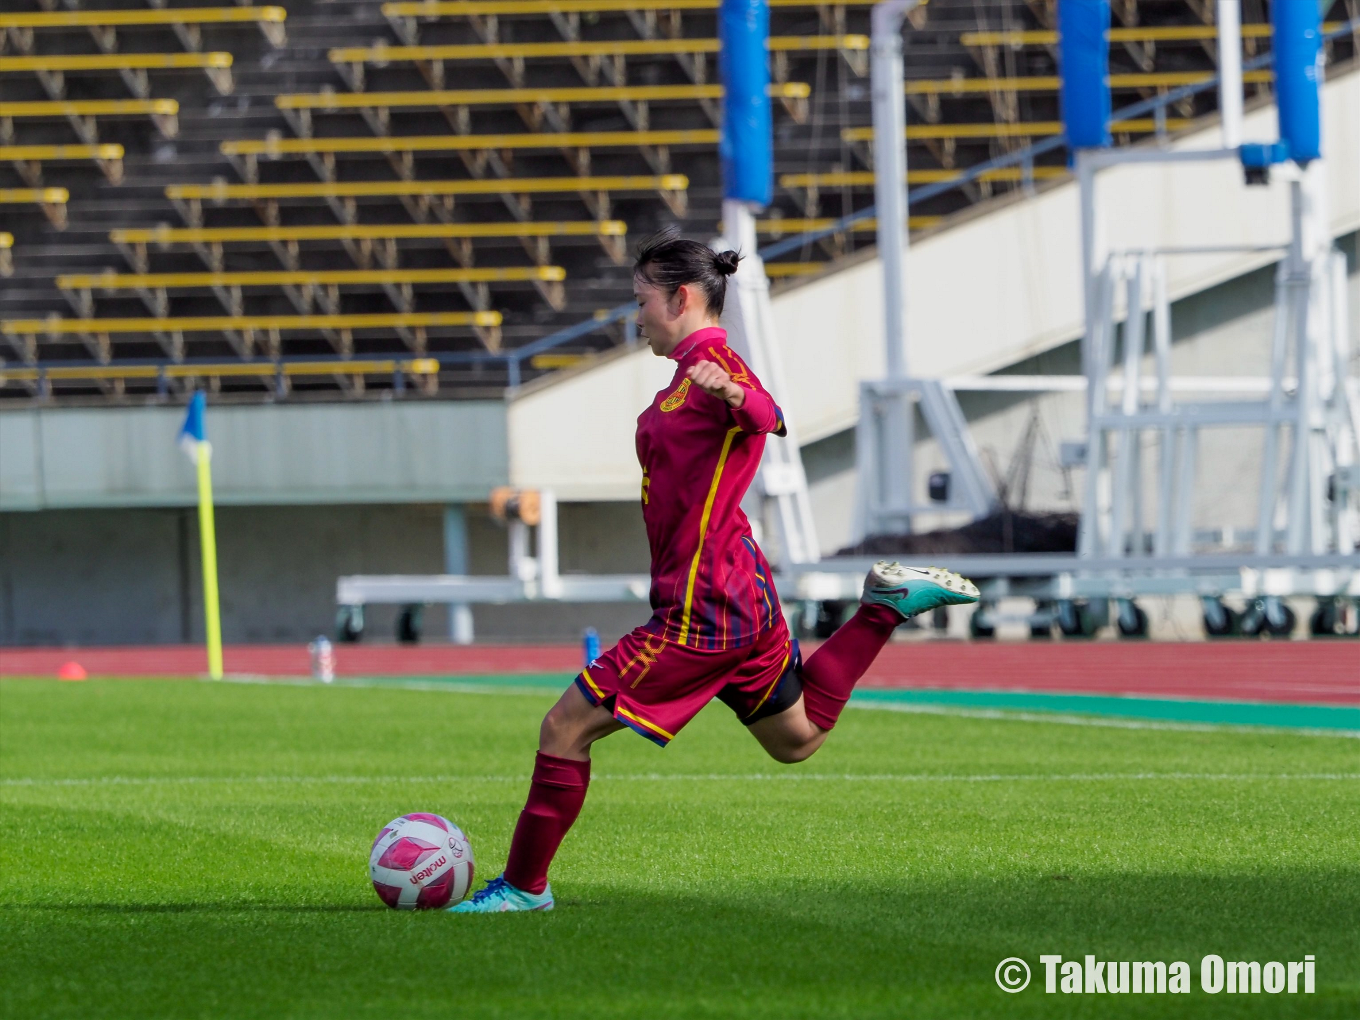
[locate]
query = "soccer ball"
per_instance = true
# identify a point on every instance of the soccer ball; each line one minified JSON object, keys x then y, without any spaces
{"x":421,"y":862}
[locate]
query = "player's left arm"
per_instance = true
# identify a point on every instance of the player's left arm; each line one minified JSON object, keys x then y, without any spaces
{"x":753,"y":409}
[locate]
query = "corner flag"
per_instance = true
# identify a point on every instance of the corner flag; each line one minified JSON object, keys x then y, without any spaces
{"x":193,"y":440}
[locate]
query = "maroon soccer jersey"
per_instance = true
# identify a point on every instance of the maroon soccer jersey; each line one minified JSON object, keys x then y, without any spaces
{"x":711,"y":585}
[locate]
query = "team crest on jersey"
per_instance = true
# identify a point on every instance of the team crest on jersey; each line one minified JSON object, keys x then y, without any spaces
{"x":677,"y":398}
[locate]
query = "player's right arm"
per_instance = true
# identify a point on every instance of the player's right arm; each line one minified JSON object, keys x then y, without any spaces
{"x":753,"y":409}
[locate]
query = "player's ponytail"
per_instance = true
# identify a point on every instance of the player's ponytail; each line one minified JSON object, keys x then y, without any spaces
{"x":668,"y":261}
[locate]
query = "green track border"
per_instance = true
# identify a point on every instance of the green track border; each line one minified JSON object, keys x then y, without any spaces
{"x":1223,"y":713}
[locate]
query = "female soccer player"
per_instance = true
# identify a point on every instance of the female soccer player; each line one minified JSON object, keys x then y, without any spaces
{"x":716,"y":628}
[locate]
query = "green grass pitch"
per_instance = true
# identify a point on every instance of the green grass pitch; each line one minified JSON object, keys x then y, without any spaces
{"x":187,"y":849}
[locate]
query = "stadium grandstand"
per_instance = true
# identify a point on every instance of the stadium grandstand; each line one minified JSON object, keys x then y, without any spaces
{"x":344,"y":184}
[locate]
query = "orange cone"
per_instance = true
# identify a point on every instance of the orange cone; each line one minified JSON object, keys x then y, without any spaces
{"x":71,"y":671}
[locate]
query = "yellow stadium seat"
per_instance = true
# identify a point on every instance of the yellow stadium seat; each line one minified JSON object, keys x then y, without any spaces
{"x":245,"y":154}
{"x":610,"y":233}
{"x":794,"y":225}
{"x":274,"y":147}
{"x":115,"y":61}
{"x":581,"y":48}
{"x":28,"y":159}
{"x":595,"y":190}
{"x":163,"y":112}
{"x":41,"y":196}
{"x":152,"y":16}
{"x":485,"y":8}
{"x":6,"y":259}
{"x":326,"y":101}
{"x":298,"y":109}
{"x":865,"y":178}
{"x":52,"y":201}
{"x":557,"y":360}
{"x":783,"y":270}
{"x":55,"y":326}
{"x":368,"y":231}
{"x":91,"y":108}
{"x":269,"y":19}
{"x":361,"y":189}
{"x":1151,"y":33}
{"x":216,"y":65}
{"x":229,"y":369}
{"x":60,"y":152}
{"x":1047,"y":83}
{"x":304,"y":277}
{"x":1032,"y":129}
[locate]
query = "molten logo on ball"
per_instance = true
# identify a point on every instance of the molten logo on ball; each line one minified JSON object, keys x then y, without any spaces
{"x":427,"y":871}
{"x":410,"y":868}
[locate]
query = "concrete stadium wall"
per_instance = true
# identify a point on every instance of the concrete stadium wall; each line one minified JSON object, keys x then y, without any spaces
{"x":130,"y":575}
{"x":408,"y":452}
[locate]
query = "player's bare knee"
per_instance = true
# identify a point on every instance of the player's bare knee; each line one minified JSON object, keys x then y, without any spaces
{"x":558,"y":733}
{"x":792,"y":754}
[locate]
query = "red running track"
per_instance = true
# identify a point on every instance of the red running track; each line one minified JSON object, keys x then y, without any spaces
{"x":1311,"y":672}
{"x":1307,"y":672}
{"x":293,"y":660}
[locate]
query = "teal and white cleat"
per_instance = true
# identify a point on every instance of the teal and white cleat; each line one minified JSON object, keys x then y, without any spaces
{"x":499,"y":895}
{"x":915,"y":590}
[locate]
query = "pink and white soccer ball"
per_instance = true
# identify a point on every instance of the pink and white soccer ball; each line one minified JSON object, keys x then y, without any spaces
{"x":421,"y":862}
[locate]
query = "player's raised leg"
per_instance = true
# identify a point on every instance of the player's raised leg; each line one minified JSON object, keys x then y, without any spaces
{"x":556,"y":794}
{"x":892,"y":593}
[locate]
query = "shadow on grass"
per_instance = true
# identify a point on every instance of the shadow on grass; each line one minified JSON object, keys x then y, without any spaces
{"x":829,"y":948}
{"x":201,"y":908}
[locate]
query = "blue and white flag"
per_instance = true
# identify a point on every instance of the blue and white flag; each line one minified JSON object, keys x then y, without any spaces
{"x":193,"y":433}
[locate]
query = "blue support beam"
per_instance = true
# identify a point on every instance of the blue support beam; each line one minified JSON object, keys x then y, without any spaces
{"x":1084,"y":63}
{"x":1297,"y":26}
{"x":747,"y":141}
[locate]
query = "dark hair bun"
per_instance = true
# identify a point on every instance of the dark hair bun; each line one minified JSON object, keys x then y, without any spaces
{"x":725,"y":262}
{"x":669,"y":261}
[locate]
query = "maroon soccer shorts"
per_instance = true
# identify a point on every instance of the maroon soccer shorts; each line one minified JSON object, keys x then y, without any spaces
{"x":655,"y":687}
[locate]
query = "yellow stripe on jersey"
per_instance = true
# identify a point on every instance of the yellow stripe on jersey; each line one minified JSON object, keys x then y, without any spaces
{"x":591,"y":683}
{"x":703,"y":533}
{"x":643,"y":722}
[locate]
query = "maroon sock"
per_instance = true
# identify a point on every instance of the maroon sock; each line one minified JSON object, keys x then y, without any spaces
{"x":556,"y":794}
{"x":831,"y":672}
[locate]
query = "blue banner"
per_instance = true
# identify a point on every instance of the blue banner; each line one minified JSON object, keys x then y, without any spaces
{"x":746,"y":146}
{"x":1298,"y":75}
{"x":1084,"y":64}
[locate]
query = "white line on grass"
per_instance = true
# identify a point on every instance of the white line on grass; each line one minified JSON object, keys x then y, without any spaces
{"x":1092,"y":720}
{"x":653,"y":777}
